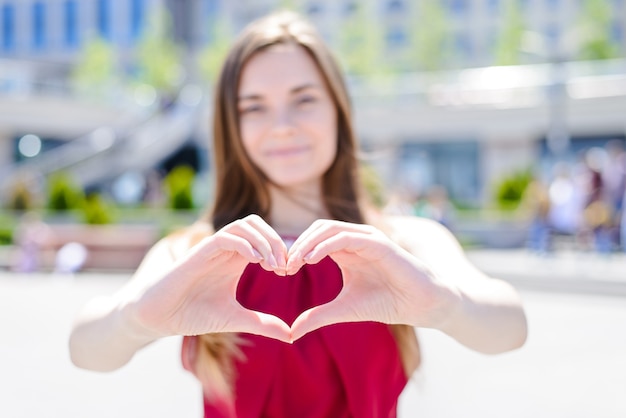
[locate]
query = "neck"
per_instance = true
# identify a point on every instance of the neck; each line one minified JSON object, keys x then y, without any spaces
{"x":294,"y":210}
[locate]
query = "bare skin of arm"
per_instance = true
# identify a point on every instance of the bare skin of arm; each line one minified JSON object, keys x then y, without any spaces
{"x":188,"y":295}
{"x":416,"y":275}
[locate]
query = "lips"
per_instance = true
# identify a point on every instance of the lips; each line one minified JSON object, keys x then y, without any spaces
{"x":287,"y":152}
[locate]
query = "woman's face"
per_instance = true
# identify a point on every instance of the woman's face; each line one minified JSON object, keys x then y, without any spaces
{"x":288,"y":120}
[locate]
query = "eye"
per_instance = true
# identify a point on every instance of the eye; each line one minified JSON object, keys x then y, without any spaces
{"x":251,"y":109}
{"x":306,"y":99}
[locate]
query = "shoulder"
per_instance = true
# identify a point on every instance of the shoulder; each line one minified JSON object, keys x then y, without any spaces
{"x":181,"y":240}
{"x":174,"y":245}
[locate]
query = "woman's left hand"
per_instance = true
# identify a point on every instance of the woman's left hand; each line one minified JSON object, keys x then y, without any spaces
{"x":382,"y":282}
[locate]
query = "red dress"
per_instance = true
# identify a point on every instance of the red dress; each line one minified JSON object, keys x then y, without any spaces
{"x":342,"y":370}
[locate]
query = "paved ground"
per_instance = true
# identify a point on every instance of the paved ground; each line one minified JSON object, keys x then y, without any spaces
{"x":573,"y":364}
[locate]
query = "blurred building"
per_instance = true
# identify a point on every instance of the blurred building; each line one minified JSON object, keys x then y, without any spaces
{"x":449,"y":117}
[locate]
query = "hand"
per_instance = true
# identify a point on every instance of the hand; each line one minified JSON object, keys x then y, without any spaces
{"x":382,"y":281}
{"x":198,"y":295}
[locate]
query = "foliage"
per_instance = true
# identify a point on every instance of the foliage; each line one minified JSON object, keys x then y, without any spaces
{"x":510,"y":38}
{"x":96,"y":211}
{"x":360,"y":42}
{"x":97,"y":70}
{"x":212,"y":56}
{"x":373,"y":185}
{"x":179,"y":187}
{"x":6,"y":236}
{"x":510,"y":190}
{"x":595,"y":36}
{"x":63,"y":193}
{"x":430,"y":36}
{"x":158,"y":57}
{"x":20,"y":198}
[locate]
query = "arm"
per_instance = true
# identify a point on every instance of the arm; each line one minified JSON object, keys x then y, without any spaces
{"x":105,"y":336}
{"x":415,"y":274}
{"x":185,"y":291}
{"x":484,"y":313}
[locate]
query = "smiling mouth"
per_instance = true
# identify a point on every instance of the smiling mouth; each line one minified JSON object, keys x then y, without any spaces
{"x":287,"y":152}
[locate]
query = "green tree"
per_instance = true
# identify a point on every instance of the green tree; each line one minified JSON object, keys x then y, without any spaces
{"x":97,"y":71}
{"x":158,"y":57}
{"x":360,"y":42}
{"x":288,"y":5}
{"x":430,"y":36}
{"x":96,"y":210}
{"x":594,"y":31}
{"x":179,"y":187}
{"x":211,"y":58}
{"x":509,"y":45}
{"x":63,"y":193}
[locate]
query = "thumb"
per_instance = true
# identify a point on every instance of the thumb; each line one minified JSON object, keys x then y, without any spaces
{"x":263,"y":324}
{"x":320,"y":316}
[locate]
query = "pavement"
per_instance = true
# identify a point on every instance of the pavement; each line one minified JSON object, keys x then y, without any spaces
{"x":572,"y":366}
{"x":567,"y":271}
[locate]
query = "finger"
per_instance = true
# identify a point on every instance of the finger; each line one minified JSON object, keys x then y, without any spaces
{"x":318,"y":231}
{"x":267,"y":325}
{"x":352,"y":242}
{"x":259,"y":241}
{"x":279,"y":248}
{"x":320,"y":316}
{"x":322,"y":231}
{"x":226,"y":242}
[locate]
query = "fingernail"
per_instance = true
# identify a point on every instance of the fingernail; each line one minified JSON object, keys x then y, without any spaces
{"x":272,"y":261}
{"x":257,"y":254}
{"x":308,"y":256}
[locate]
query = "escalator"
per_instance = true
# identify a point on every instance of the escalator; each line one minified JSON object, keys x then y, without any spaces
{"x":105,"y":153}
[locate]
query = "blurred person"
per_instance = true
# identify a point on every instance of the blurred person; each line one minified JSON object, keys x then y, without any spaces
{"x":614,"y":177}
{"x":536,"y":204}
{"x":32,"y":237}
{"x":597,"y":212}
{"x":294,"y":296}
{"x":566,"y":201}
{"x":437,"y":206}
{"x":400,"y":202}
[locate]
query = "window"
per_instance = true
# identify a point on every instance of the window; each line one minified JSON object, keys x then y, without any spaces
{"x":396,"y":37}
{"x":552,"y":34}
{"x":8,"y":27}
{"x":350,"y":8}
{"x":395,"y":6}
{"x":617,"y":32}
{"x":212,"y":7}
{"x":39,"y":25}
{"x":493,"y":6}
{"x":103,"y":18}
{"x":552,"y":5}
{"x":458,"y":7}
{"x":137,"y":8}
{"x":70,"y":16}
{"x":463,"y":45}
{"x":314,"y":9}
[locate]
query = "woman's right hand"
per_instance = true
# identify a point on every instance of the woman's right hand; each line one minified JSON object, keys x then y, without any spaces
{"x":198,"y":293}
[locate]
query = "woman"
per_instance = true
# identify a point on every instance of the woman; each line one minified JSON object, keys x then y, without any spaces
{"x":294,"y":298}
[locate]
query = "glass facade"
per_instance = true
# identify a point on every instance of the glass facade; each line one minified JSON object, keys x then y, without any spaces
{"x":8,"y":27}
{"x":103,"y":18}
{"x":70,"y":15}
{"x":39,"y":25}
{"x":137,"y":17}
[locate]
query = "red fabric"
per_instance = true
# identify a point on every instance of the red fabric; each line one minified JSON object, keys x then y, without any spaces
{"x":343,"y":370}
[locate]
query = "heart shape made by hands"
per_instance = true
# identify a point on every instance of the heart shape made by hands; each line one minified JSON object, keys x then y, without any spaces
{"x":287,"y":297}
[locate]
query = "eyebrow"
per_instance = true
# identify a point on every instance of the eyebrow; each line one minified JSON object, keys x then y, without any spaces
{"x":294,"y":90}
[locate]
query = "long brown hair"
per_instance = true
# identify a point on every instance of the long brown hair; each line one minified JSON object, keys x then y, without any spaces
{"x":242,"y":189}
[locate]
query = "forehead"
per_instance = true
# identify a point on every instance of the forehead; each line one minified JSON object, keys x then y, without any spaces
{"x":282,"y":66}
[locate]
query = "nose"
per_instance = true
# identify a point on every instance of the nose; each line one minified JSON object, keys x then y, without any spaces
{"x":283,"y":123}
